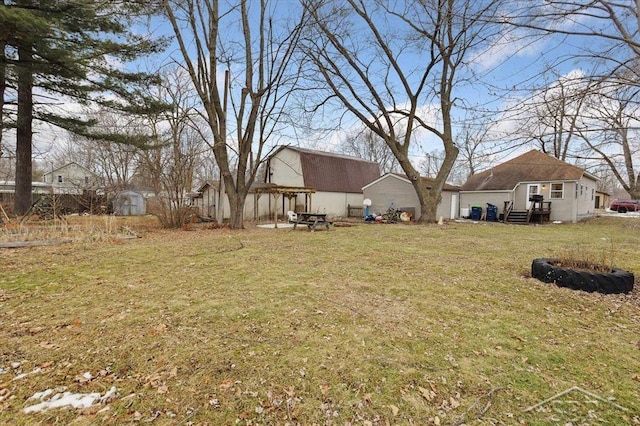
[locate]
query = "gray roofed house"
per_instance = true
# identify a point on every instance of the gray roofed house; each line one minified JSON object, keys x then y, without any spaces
{"x":568,"y":191}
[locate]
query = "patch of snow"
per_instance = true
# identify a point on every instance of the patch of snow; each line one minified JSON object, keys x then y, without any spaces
{"x":272,"y":225}
{"x":23,"y":375}
{"x":42,"y":395}
{"x":68,"y":399}
{"x":608,"y":212}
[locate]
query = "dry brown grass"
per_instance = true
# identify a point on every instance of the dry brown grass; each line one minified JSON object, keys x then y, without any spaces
{"x":75,"y":228}
{"x":368,"y":324}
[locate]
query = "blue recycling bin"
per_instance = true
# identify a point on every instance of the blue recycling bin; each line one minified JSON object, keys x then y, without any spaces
{"x":476,"y":212}
{"x":492,"y":213}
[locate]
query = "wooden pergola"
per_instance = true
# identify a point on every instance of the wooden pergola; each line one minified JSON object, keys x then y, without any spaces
{"x":277,"y":191}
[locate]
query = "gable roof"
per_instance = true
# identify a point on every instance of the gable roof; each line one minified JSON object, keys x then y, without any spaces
{"x":426,"y":181}
{"x":532,"y":166}
{"x":66,"y":166}
{"x":331,"y":172}
{"x":208,"y":184}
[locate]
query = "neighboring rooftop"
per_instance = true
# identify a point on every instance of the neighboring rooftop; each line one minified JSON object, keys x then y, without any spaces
{"x":532,"y":166}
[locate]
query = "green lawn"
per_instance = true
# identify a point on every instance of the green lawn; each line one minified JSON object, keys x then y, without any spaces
{"x":369,"y":324}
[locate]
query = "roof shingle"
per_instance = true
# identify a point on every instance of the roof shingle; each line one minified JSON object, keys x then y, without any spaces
{"x":532,"y":166}
{"x":330,"y":172}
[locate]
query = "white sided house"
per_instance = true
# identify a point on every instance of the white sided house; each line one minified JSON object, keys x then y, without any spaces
{"x":73,"y":179}
{"x":335,"y":180}
{"x":532,"y":187}
{"x":295,"y":179}
{"x":396,"y":191}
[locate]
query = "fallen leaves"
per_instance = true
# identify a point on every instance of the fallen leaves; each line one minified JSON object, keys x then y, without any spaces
{"x":5,"y":393}
{"x":427,"y":394}
{"x":394,"y":410}
{"x":226,"y":384}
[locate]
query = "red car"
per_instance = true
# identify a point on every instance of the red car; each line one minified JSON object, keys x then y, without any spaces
{"x":623,"y":206}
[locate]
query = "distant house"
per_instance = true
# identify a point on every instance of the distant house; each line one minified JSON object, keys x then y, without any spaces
{"x":603,"y":199}
{"x":8,"y":191}
{"x":395,"y":190}
{"x":206,"y":198}
{"x":567,"y":192}
{"x":72,"y":178}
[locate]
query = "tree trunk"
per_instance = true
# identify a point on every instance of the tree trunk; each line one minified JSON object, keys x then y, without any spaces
{"x":24,"y":134}
{"x":429,"y":206}
{"x":3,"y":86}
{"x":236,"y":213}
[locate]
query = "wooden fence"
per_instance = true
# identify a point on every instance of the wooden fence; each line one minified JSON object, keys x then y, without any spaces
{"x":355,"y":211}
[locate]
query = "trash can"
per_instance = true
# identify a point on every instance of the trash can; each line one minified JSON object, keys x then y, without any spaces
{"x":476,"y":212}
{"x":492,"y":213}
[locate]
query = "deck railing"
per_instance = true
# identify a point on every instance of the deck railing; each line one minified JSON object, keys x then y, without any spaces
{"x":508,"y":206}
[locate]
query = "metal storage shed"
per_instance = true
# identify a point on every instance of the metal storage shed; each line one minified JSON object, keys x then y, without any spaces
{"x":129,"y":203}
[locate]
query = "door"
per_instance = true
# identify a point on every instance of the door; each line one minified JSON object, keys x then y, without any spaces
{"x":532,"y":189}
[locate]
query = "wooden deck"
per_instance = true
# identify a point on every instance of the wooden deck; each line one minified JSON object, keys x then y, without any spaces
{"x":539,"y":212}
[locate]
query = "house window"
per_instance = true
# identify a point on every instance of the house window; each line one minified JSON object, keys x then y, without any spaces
{"x":86,"y":180}
{"x":592,"y":193}
{"x":557,"y":190}
{"x":59,"y":178}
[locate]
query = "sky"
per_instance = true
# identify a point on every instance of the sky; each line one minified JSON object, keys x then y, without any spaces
{"x":512,"y":60}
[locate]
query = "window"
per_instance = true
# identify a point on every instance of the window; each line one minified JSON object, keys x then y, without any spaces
{"x":59,"y":178}
{"x":86,"y":180}
{"x":557,"y":190}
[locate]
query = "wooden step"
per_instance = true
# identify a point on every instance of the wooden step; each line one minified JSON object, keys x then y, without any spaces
{"x":518,"y":216}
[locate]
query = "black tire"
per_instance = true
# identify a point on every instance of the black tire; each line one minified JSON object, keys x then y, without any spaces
{"x":614,"y":282}
{"x":622,"y":209}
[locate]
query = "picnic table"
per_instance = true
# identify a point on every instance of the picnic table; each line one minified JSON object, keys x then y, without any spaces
{"x":312,"y":220}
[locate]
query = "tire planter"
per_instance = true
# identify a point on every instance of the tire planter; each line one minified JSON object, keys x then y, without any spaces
{"x":613,"y":282}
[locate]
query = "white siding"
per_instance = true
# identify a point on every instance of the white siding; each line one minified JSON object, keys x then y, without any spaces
{"x":286,"y":168}
{"x":577,"y":200}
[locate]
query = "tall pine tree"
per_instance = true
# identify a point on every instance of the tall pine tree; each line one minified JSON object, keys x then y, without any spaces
{"x":62,"y":51}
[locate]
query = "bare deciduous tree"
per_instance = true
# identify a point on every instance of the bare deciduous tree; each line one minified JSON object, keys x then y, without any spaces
{"x":385,"y":61}
{"x":231,"y":51}
{"x":472,"y":141}
{"x":610,"y":130}
{"x":550,"y":116}
{"x":369,"y":146}
{"x":114,"y":161}
{"x":605,"y":45}
{"x":176,"y":147}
